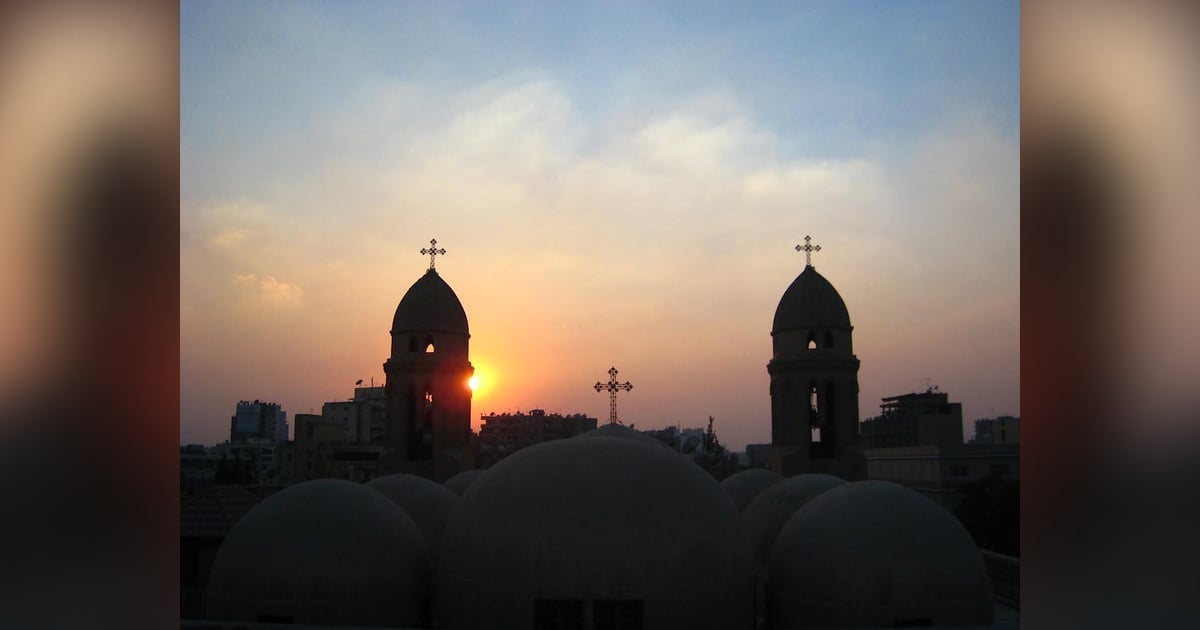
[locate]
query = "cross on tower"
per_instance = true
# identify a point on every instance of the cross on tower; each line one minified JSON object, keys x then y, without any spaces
{"x":613,"y":387}
{"x":432,"y":251}
{"x":808,"y":248}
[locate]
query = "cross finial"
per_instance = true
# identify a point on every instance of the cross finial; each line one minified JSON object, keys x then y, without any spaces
{"x":432,"y":251}
{"x":808,"y":248}
{"x":612,"y":387}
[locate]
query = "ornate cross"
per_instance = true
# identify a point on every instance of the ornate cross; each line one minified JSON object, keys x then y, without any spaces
{"x":613,"y":387}
{"x":432,"y":251}
{"x":808,"y":248}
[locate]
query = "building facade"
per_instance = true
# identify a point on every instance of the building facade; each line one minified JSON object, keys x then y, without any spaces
{"x":258,"y":420}
{"x":998,"y":430}
{"x":501,"y":435}
{"x":914,"y":420}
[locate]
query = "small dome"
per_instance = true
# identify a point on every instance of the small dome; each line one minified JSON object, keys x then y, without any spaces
{"x":770,"y":510}
{"x":747,"y":484}
{"x":427,"y":502}
{"x":459,"y":483}
{"x":622,"y":432}
{"x":322,"y":552}
{"x":810,"y":302}
{"x":601,"y":525}
{"x":430,"y":305}
{"x":876,"y":554}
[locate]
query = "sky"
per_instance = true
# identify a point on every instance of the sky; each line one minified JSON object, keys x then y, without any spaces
{"x":615,"y":183}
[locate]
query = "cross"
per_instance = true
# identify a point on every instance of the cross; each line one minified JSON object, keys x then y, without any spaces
{"x":613,"y":387}
{"x":433,"y":251}
{"x":808,"y":248}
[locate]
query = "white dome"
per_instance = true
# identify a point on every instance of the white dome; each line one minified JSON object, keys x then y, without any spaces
{"x":591,"y":521}
{"x":428,"y":503}
{"x":773,"y":507}
{"x":459,"y":483}
{"x":322,"y":552}
{"x":747,"y":484}
{"x":876,"y":554}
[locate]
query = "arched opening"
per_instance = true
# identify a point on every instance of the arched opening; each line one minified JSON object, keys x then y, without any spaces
{"x":812,"y":341}
{"x":412,"y":343}
{"x":815,"y":420}
{"x":429,"y":345}
{"x":829,"y":339}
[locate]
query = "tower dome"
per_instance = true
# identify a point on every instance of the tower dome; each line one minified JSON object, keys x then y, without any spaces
{"x":430,"y":305}
{"x":810,"y":302}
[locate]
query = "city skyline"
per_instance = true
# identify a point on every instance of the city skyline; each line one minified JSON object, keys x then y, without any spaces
{"x":613,"y":185}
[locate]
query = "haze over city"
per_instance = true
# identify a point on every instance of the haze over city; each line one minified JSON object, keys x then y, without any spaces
{"x":615,"y":185}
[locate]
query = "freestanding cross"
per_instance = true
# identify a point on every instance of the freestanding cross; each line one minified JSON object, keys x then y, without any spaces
{"x":432,"y":251}
{"x":808,"y":248}
{"x":613,"y":387}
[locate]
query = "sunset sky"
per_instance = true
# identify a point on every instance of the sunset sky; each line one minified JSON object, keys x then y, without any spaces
{"x":616,"y":184}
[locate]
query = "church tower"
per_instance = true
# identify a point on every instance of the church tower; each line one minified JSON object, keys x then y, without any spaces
{"x":428,"y":398}
{"x":814,"y":380}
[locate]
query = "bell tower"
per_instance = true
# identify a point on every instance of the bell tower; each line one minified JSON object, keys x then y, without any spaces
{"x":428,"y":398}
{"x":814,"y":380}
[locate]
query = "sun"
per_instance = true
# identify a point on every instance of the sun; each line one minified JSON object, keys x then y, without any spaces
{"x":473,"y":383}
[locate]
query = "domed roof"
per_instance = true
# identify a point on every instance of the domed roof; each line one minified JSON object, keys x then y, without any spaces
{"x":428,"y":503}
{"x":430,"y":305}
{"x":876,"y":554}
{"x":595,"y":519}
{"x":322,"y":552}
{"x":747,"y":484}
{"x":459,"y":483}
{"x":810,"y":302}
{"x":772,"y":508}
{"x":621,"y":432}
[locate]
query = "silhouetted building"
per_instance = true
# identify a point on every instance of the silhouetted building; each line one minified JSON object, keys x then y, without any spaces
{"x":428,"y":397}
{"x":501,"y":435}
{"x":941,"y":471}
{"x":914,"y":420}
{"x":998,"y":430}
{"x":258,"y":420}
{"x":814,"y":382}
{"x":363,"y":418}
{"x":318,"y":452}
{"x":197,"y":466}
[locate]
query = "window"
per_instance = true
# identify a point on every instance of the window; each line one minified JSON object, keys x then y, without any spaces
{"x":558,"y":614}
{"x":816,"y":435}
{"x":812,"y":341}
{"x":828,"y":339}
{"x":429,"y":345}
{"x":617,"y":614}
{"x":412,"y":343}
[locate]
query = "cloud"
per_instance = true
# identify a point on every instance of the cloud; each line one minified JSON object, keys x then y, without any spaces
{"x":268,"y":288}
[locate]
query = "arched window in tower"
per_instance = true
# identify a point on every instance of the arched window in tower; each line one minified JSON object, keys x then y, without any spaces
{"x":412,"y":343}
{"x":429,"y":345}
{"x":829,"y":339}
{"x":428,"y":399}
{"x":814,"y":415}
{"x":812,"y":341}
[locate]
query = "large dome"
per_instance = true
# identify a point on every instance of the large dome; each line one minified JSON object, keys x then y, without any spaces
{"x":747,"y":484}
{"x":430,"y":305}
{"x":428,"y":503}
{"x":595,"y":527}
{"x":810,"y":302}
{"x":322,"y":552}
{"x":771,"y":509}
{"x":876,"y":554}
